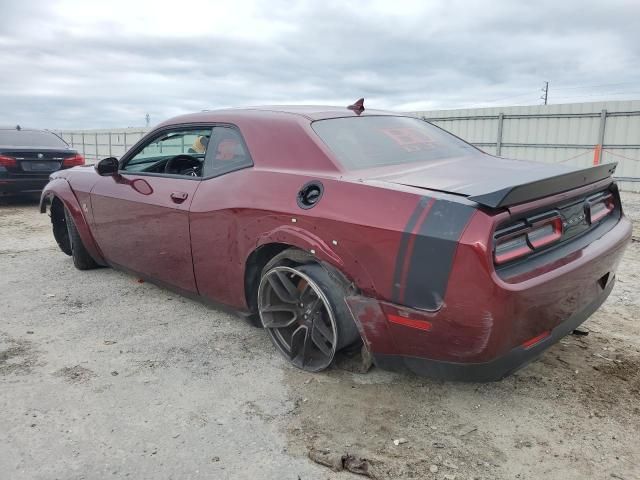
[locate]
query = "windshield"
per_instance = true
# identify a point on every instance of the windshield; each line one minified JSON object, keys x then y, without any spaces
{"x":367,"y":142}
{"x":30,"y":138}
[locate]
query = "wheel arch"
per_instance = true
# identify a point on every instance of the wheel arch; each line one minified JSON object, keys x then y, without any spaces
{"x":253,"y":266}
{"x":59,"y":190}
{"x":306,"y":247}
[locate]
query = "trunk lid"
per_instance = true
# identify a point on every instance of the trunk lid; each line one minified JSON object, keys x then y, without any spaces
{"x":498,"y":182}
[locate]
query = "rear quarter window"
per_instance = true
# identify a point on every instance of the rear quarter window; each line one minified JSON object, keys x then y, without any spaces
{"x":368,"y":142}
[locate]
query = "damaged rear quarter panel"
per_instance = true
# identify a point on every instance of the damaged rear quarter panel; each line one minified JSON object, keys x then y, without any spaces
{"x":227,"y":228}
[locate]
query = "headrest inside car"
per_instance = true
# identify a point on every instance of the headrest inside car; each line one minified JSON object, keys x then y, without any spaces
{"x":228,"y":149}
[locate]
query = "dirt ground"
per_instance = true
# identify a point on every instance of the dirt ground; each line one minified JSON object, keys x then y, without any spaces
{"x":102,"y":376}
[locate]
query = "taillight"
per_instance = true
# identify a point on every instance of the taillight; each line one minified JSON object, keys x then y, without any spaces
{"x":545,"y":232}
{"x":74,"y":161}
{"x":526,"y":237}
{"x":508,"y":249}
{"x":599,"y":207}
{"x":7,"y":161}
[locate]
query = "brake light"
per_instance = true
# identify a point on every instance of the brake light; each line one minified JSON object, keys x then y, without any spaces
{"x":511,"y":248}
{"x":600,"y":208}
{"x":545,"y":232}
{"x":524,"y":238}
{"x":74,"y":161}
{"x":7,"y":161}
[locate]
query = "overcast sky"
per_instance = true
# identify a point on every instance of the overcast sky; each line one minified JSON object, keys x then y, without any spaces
{"x":83,"y":64}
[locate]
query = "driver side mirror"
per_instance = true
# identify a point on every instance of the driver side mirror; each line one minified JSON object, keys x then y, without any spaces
{"x":107,"y":166}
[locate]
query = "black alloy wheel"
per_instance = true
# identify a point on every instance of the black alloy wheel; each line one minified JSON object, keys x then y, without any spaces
{"x":298,"y":317}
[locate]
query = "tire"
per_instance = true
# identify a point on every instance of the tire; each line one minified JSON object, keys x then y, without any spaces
{"x":81,"y":258}
{"x":59,"y":226}
{"x":303,"y":309}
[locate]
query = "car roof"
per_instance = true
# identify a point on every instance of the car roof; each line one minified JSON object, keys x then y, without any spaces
{"x":295,"y":112}
{"x":318,"y":112}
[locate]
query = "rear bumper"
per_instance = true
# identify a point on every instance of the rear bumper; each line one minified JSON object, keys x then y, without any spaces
{"x":23,"y":185}
{"x":479,"y":332}
{"x":495,"y":369}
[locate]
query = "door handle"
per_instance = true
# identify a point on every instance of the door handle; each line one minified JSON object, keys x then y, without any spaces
{"x":179,"y":197}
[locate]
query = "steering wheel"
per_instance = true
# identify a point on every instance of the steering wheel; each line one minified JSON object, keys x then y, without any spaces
{"x":180,"y":163}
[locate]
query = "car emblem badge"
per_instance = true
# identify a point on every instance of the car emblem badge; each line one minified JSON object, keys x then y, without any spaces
{"x":40,"y":155}
{"x":573,"y":220}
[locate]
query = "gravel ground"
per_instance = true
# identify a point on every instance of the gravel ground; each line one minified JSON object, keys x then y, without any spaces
{"x":102,"y":376}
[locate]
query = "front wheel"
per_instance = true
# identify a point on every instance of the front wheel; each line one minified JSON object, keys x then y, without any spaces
{"x":303,"y":310}
{"x":81,"y":258}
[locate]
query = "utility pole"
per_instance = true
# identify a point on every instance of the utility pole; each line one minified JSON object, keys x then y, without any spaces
{"x":545,"y":92}
{"x":148,"y":118}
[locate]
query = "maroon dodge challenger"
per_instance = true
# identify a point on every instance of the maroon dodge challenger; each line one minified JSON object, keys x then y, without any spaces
{"x":344,"y":228}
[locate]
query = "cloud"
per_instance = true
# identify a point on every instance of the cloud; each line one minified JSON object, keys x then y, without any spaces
{"x":73,"y":64}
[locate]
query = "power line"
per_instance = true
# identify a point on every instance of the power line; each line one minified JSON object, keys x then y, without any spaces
{"x":509,"y":97}
{"x":546,"y":92}
{"x":601,"y":94}
{"x":596,"y":86}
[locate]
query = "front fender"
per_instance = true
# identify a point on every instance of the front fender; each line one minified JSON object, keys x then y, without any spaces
{"x":59,"y":188}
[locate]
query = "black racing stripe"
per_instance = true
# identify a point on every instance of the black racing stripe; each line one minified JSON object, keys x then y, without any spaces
{"x":404,"y":243}
{"x":433,"y":251}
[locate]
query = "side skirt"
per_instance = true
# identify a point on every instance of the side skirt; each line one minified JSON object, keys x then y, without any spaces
{"x":245,"y":315}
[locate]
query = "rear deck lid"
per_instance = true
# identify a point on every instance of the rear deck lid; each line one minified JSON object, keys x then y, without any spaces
{"x":411,"y":152}
{"x":497,"y":182}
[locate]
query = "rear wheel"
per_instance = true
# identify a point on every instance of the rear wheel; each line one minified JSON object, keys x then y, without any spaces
{"x":81,"y":258}
{"x":303,"y":309}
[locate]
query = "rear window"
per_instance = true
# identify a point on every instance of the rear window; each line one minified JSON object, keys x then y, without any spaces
{"x":30,"y":138}
{"x":367,"y":142}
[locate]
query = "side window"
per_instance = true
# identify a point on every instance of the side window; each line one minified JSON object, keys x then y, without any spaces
{"x":174,"y":152}
{"x":227,"y":152}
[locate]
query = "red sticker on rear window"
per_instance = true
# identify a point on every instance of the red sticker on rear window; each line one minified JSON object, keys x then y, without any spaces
{"x":411,"y":140}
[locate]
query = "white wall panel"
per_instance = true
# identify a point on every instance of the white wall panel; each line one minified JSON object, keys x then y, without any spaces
{"x":545,"y":133}
{"x":529,"y":138}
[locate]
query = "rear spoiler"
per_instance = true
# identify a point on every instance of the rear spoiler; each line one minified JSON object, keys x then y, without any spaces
{"x":542,"y":188}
